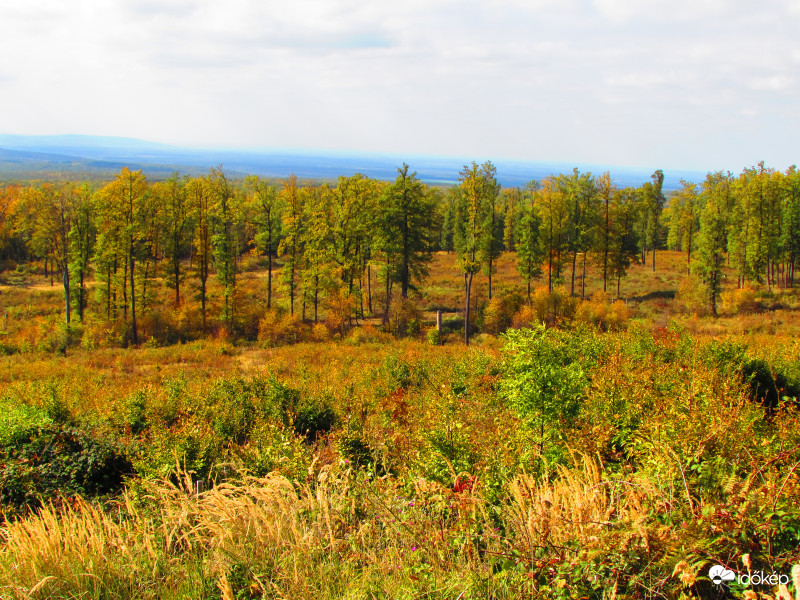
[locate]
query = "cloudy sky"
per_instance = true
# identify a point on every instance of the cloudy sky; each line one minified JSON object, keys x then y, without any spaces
{"x":695,"y":84}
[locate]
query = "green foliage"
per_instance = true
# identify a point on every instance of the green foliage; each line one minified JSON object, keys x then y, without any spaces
{"x":232,"y":410}
{"x":272,"y":447}
{"x":543,"y":380}
{"x":42,"y":462}
{"x":136,"y":412}
{"x":449,"y":455}
{"x":55,"y":406}
{"x":314,"y":418}
{"x":406,"y":226}
{"x":224,"y":240}
{"x":356,"y":450}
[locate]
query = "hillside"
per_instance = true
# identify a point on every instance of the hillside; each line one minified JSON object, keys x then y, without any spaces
{"x":95,"y":156}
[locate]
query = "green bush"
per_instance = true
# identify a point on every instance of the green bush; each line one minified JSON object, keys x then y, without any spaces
{"x":55,"y":406}
{"x":543,"y":379}
{"x":450,"y":455}
{"x":355,"y":450}
{"x":46,"y":461}
{"x":136,"y":411}
{"x":231,"y":402}
{"x":313,"y":419}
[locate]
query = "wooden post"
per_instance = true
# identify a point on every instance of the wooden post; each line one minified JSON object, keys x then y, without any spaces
{"x":439,"y":326}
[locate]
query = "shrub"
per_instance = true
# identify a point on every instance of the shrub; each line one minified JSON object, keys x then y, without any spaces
{"x":136,"y":411}
{"x":277,"y":328}
{"x":740,"y":301}
{"x":396,"y":373}
{"x":543,"y":380}
{"x":231,"y":403}
{"x":272,"y":447}
{"x":526,"y":317}
{"x":367,"y":334}
{"x":159,"y":327}
{"x":618,"y":316}
{"x":450,"y":455}
{"x":339,"y":311}
{"x":190,"y":444}
{"x":356,"y":451}
{"x":548,"y":307}
{"x":320,"y":332}
{"x":104,"y":334}
{"x":404,"y":317}
{"x":168,"y":410}
{"x":44,"y":462}
{"x":498,"y":314}
{"x":55,"y":405}
{"x":693,"y":295}
{"x":314,"y":418}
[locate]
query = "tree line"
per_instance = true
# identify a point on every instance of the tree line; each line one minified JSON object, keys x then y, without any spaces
{"x":362,"y":241}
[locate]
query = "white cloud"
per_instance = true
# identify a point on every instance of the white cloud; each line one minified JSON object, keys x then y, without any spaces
{"x":588,"y":80}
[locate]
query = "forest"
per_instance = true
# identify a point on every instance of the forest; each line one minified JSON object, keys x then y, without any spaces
{"x":237,"y":388}
{"x":341,"y":252}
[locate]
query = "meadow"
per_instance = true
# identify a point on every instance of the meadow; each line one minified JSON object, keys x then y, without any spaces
{"x":597,"y":448}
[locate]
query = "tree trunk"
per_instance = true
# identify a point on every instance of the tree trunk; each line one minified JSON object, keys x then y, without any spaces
{"x":388,"y":293}
{"x":490,"y":275}
{"x":269,"y":267}
{"x":606,"y":237}
{"x":369,"y":288}
{"x":133,"y":303}
{"x":80,"y":298}
{"x":583,"y":277}
{"x":468,"y":288}
{"x":125,"y":288}
{"x":66,"y":291}
{"x":316,"y":296}
{"x":361,"y":294}
{"x":574,"y":265}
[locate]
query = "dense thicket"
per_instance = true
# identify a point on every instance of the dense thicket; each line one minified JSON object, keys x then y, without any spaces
{"x":343,"y":248}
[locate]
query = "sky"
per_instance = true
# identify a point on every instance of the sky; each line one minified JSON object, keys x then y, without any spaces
{"x":690,"y":84}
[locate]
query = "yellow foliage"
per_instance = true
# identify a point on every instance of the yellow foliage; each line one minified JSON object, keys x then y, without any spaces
{"x":618,"y":315}
{"x":740,"y":301}
{"x":368,"y":334}
{"x":275,"y":328}
{"x":693,"y":295}
{"x":525,"y":317}
{"x":320,"y":332}
{"x":498,"y":314}
{"x":340,"y":310}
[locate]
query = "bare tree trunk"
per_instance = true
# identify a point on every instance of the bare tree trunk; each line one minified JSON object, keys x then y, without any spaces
{"x":468,"y":288}
{"x":490,"y":277}
{"x":66,"y":291}
{"x":388,"y":293}
{"x":316,"y":296}
{"x":583,"y":278}
{"x":369,"y":288}
{"x":133,"y":304}
{"x":269,"y":268}
{"x":574,"y":264}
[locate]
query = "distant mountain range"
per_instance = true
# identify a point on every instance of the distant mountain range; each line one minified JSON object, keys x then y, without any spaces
{"x":25,"y":157}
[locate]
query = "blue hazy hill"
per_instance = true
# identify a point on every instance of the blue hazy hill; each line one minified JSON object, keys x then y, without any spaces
{"x":105,"y":155}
